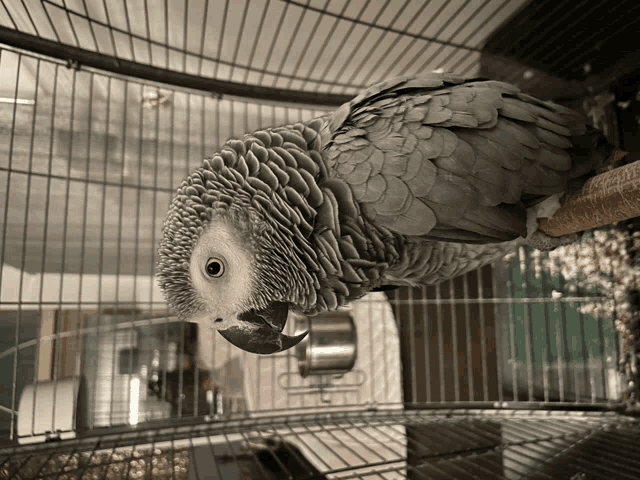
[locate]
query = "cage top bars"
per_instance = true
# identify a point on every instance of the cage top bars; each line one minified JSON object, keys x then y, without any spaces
{"x":310,"y":52}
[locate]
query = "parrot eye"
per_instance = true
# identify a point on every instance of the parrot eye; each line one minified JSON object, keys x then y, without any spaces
{"x":214,"y":267}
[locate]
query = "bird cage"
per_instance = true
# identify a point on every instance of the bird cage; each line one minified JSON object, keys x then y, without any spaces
{"x":520,"y":369}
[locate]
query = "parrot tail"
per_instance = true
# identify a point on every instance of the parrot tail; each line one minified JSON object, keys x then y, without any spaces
{"x":591,"y":155}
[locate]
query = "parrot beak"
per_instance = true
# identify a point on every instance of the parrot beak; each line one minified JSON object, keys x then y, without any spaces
{"x":262,"y":333}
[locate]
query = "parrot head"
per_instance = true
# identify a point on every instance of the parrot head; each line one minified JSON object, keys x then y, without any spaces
{"x":225,"y":264}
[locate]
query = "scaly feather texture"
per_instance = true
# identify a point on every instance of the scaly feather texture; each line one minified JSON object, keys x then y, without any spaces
{"x":414,"y":181}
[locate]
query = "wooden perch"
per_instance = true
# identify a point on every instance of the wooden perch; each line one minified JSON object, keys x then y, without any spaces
{"x":604,"y":199}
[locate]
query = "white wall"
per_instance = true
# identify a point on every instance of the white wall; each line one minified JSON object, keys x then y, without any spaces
{"x":51,"y":289}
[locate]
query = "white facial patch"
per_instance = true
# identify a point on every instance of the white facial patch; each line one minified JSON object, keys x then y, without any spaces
{"x":227,"y":295}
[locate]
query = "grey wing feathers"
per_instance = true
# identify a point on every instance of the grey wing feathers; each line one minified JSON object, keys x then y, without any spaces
{"x":451,"y":159}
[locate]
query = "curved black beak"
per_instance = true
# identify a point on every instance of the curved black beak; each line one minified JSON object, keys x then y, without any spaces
{"x":261,"y":331}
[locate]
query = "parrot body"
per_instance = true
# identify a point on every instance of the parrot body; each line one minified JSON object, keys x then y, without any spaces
{"x":415,"y":181}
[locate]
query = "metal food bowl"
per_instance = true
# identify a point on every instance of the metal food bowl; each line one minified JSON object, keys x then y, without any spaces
{"x":331,"y":346}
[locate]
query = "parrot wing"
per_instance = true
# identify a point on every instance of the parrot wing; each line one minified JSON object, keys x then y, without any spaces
{"x":450,"y":159}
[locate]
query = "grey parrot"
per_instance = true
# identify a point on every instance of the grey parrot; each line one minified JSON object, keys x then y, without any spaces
{"x":414,"y":181}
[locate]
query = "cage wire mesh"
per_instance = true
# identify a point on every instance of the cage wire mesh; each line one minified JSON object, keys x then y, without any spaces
{"x":510,"y":371}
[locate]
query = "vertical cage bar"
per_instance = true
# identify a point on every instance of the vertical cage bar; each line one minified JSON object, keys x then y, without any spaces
{"x":452,"y":307}
{"x":512,"y":341}
{"x":24,"y":240}
{"x":65,"y":221}
{"x":468,"y":339}
{"x":142,"y":380}
{"x":483,"y":337}
{"x":440,"y":343}
{"x":85,"y":206}
{"x":412,"y":347}
{"x":500,"y":341}
{"x":102,"y":230}
{"x":14,"y":380}
{"x":426,"y":325}
{"x":528,"y":327}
